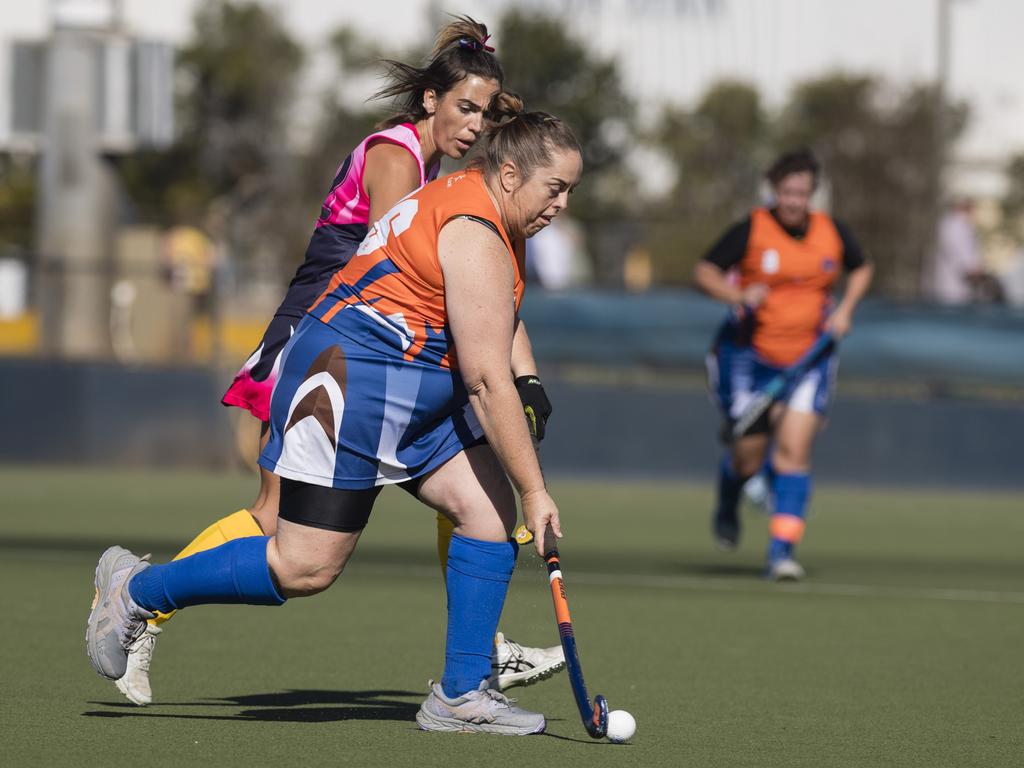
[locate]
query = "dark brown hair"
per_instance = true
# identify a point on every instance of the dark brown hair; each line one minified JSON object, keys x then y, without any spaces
{"x":460,"y":50}
{"x":795,"y":161}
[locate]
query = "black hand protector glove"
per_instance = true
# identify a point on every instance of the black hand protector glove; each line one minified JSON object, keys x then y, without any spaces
{"x":535,"y":404}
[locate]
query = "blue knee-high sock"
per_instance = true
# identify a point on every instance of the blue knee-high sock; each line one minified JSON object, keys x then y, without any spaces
{"x":236,"y":572}
{"x":730,"y":485}
{"x":478,"y":574}
{"x":790,"y":493}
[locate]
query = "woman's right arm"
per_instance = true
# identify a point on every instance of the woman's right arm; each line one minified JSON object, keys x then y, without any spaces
{"x":713,"y":281}
{"x":711,"y":273}
{"x":479,"y":285}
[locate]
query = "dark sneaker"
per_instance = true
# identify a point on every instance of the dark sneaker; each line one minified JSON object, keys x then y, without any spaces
{"x":726,"y":532}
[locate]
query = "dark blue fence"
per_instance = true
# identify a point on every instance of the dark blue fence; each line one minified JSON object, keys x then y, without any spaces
{"x":977,"y":345}
{"x":656,"y":423}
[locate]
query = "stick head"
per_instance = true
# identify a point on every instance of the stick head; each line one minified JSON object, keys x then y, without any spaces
{"x":598,"y":725}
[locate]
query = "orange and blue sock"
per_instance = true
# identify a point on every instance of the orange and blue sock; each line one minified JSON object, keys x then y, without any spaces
{"x":478,"y":576}
{"x":790,"y":493}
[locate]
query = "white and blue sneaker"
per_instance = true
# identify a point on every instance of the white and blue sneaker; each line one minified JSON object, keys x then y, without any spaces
{"x":514,"y":664}
{"x":785,"y":569}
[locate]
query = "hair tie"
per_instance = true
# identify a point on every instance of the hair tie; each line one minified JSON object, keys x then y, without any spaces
{"x":476,"y":45}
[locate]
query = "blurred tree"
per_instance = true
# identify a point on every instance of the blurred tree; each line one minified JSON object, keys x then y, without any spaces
{"x":230,"y":167}
{"x":340,"y":126}
{"x":718,"y":150}
{"x":879,"y":151}
{"x":882,"y":162}
{"x":17,"y":203}
{"x":1013,"y":200}
{"x":556,"y":74}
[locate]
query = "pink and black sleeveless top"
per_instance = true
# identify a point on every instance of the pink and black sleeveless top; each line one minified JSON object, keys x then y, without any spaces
{"x":344,"y":215}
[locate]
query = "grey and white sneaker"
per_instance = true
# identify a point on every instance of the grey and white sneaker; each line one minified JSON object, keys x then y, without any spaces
{"x":135,"y":683}
{"x":115,"y":621}
{"x":514,"y":664}
{"x":481,"y":711}
{"x":785,"y":569}
{"x":757,"y":492}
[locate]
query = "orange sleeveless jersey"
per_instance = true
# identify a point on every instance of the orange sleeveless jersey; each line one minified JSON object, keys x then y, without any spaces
{"x":799,"y":274}
{"x":396,"y":276}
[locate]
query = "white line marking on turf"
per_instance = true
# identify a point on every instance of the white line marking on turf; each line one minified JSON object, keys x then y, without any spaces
{"x":811,"y":588}
{"x":753,"y":586}
{"x":692,"y":583}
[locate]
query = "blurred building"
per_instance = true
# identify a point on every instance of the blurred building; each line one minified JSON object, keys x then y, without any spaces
{"x":672,"y":50}
{"x":85,"y":93}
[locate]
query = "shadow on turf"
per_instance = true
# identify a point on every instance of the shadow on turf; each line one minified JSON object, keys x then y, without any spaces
{"x":296,"y":706}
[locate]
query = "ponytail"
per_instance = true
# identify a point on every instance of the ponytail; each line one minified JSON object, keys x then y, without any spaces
{"x":460,"y":50}
{"x":524,"y":138}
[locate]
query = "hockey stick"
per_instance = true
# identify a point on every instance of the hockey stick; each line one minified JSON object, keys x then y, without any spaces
{"x":594,"y":716}
{"x":771,"y":391}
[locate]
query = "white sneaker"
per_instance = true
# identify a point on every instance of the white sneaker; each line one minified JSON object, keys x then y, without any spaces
{"x":514,"y":664}
{"x":786,"y":569}
{"x":758,"y":493}
{"x":480,"y":711}
{"x":135,"y":683}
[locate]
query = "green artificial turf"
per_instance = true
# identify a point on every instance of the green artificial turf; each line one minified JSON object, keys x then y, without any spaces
{"x":902,"y":648}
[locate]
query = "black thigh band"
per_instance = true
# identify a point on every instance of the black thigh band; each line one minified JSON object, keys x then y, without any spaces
{"x":762,"y":426}
{"x":332,"y":509}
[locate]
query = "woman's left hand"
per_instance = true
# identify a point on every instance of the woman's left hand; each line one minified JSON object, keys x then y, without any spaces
{"x":839,"y":323}
{"x":539,"y":510}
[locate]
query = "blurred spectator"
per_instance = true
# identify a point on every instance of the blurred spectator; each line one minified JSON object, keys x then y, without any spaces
{"x":637,"y":272}
{"x":13,"y":288}
{"x":1013,"y":280}
{"x":555,"y":257}
{"x":188,"y":258}
{"x":957,"y":267}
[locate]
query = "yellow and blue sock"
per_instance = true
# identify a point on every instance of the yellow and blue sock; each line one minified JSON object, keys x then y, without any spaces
{"x":237,"y":525}
{"x":790,"y":492}
{"x":445,"y":531}
{"x":478,"y":574}
{"x":236,"y":572}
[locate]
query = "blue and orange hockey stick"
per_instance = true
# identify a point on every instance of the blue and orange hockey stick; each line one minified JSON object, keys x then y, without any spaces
{"x":594,"y":715}
{"x":774,"y":388}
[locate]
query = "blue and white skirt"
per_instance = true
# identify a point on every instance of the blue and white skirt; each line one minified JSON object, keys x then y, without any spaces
{"x":349,"y":411}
